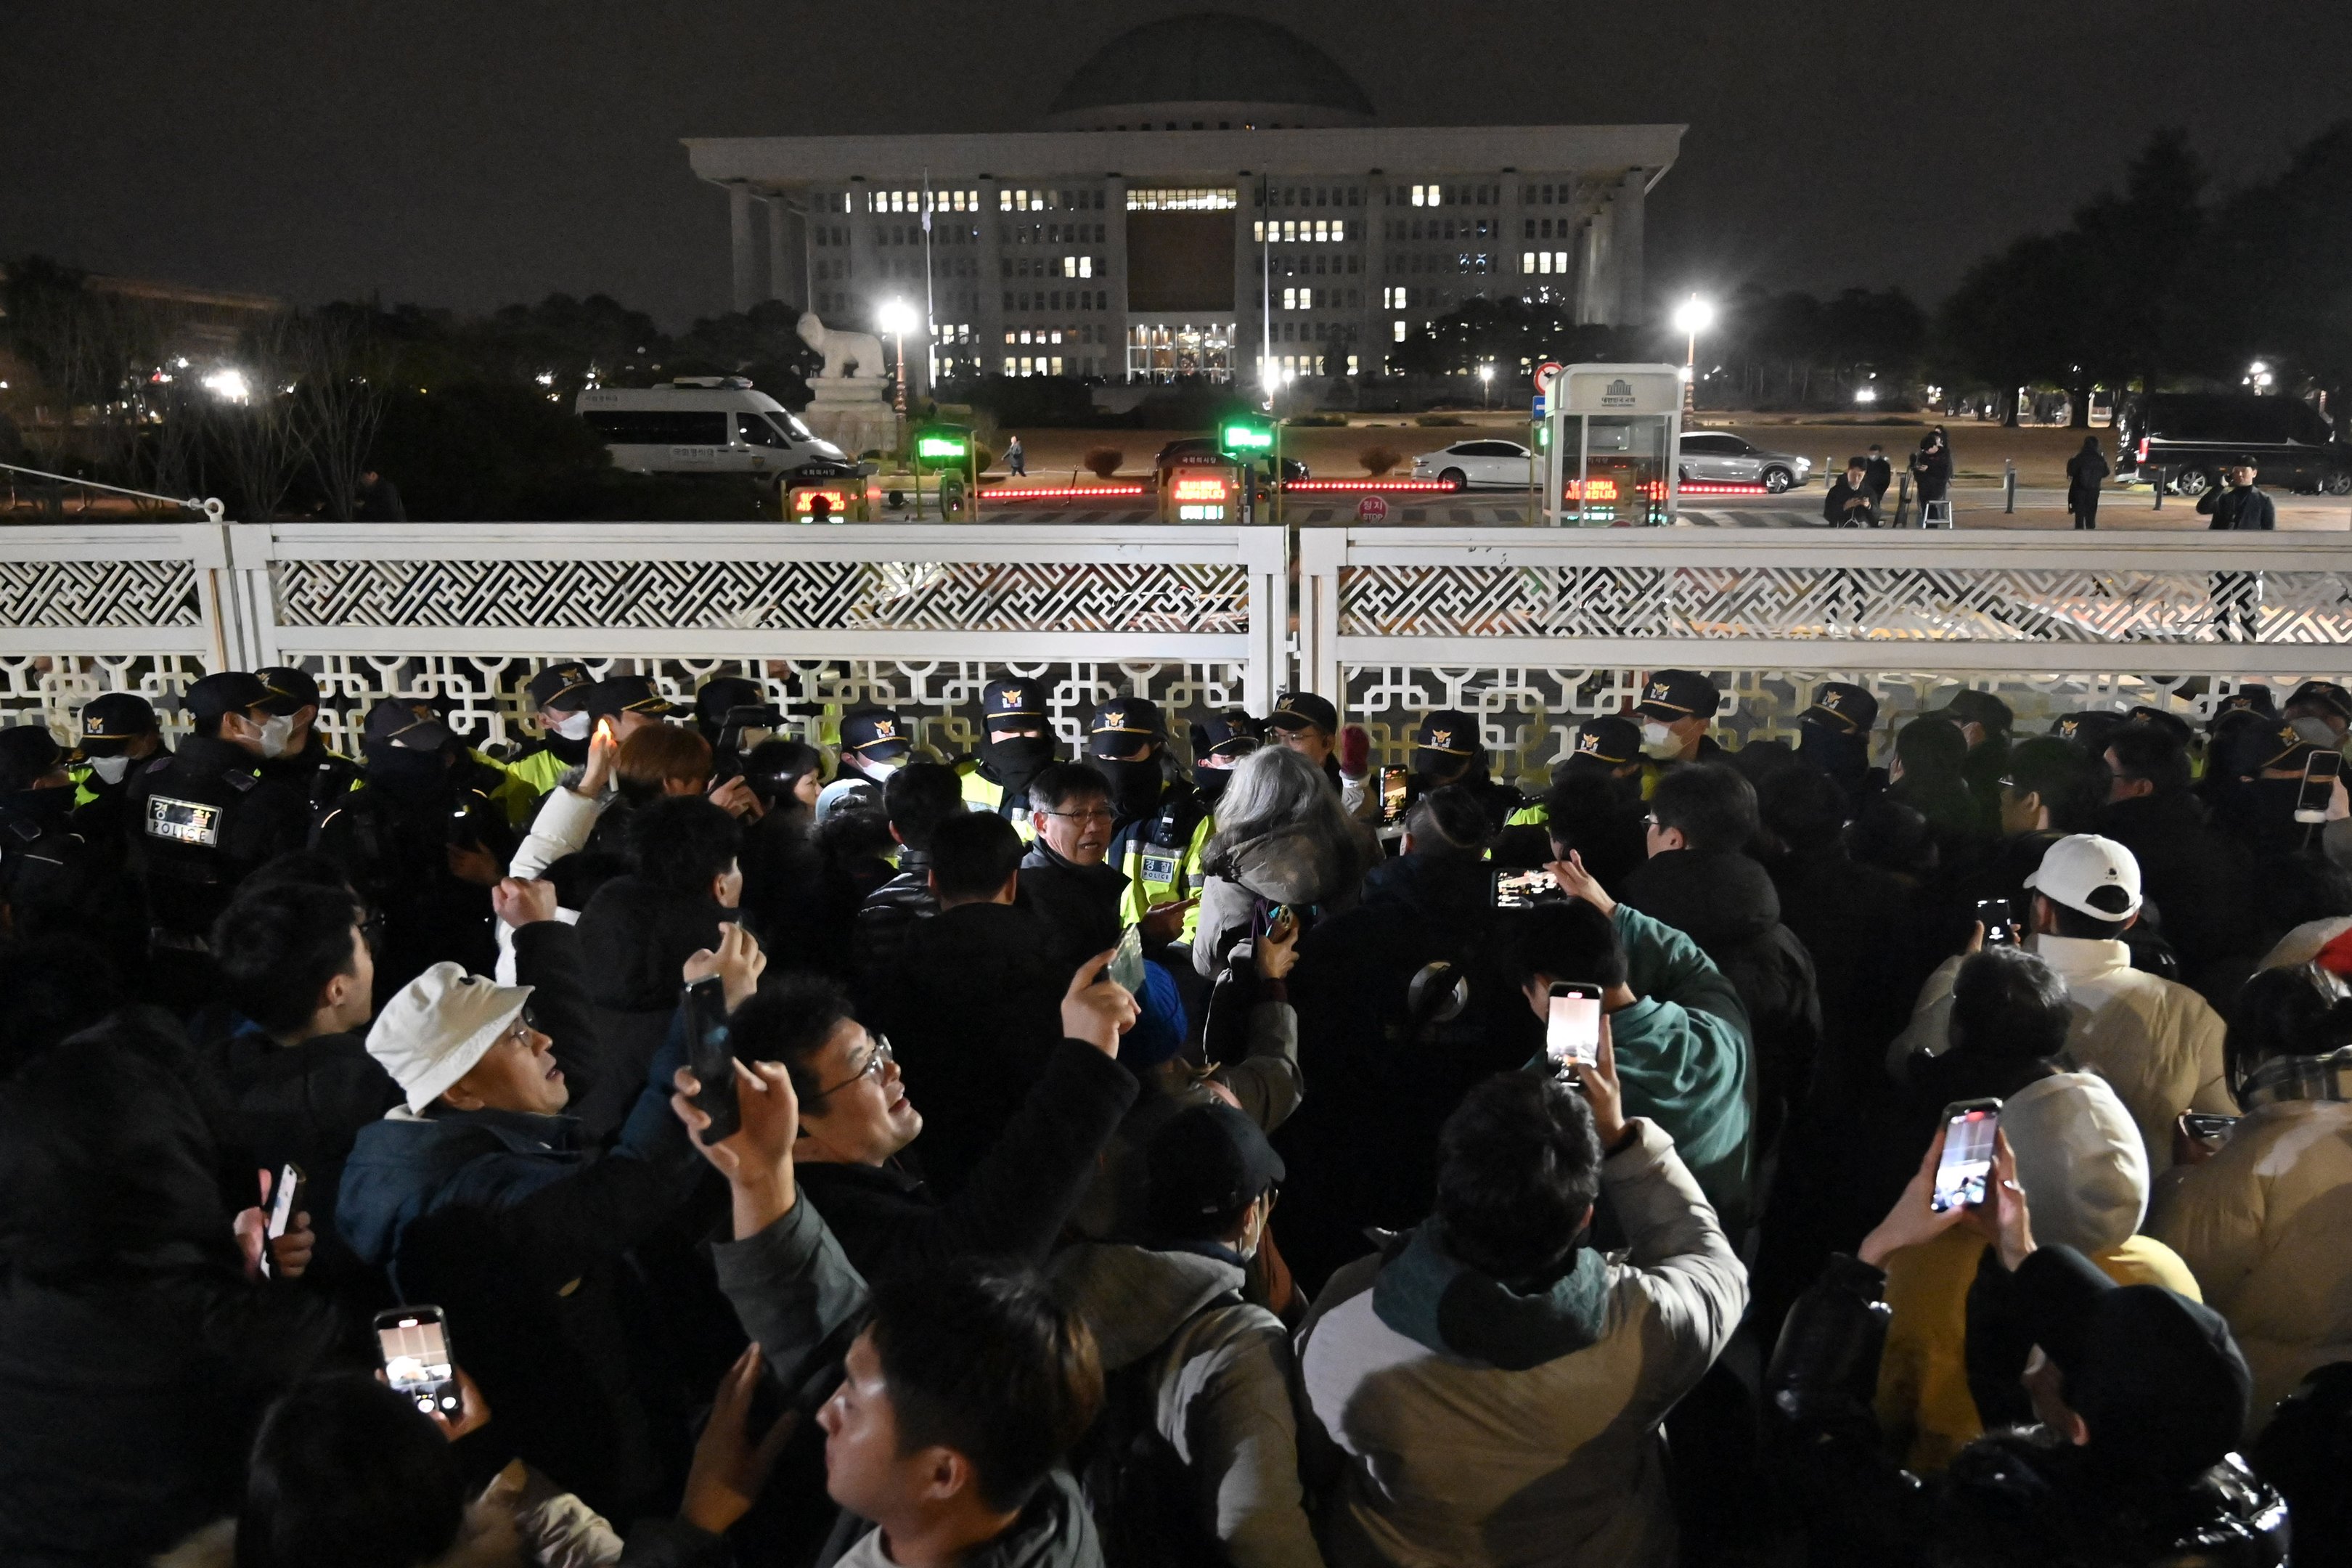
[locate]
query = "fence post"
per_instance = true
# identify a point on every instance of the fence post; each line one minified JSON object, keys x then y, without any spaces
{"x":2159,"y":488}
{"x":2009,"y":485}
{"x":1321,"y":551}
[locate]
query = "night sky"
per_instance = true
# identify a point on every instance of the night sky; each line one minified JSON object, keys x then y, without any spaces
{"x":472,"y":153}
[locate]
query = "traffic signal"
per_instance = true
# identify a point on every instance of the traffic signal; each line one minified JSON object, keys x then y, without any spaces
{"x":943,"y":444}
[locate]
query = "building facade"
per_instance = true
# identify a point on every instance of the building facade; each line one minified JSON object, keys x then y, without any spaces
{"x":1207,"y":197}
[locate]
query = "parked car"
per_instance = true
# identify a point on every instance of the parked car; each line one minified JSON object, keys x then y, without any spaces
{"x":1718,"y":457}
{"x":2193,"y":437}
{"x":1200,"y":451}
{"x":1479,"y":462}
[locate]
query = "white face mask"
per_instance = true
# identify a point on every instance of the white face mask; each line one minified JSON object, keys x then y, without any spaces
{"x":110,"y":770}
{"x":878,"y":772}
{"x":574,"y":726}
{"x":1658,"y":741}
{"x":276,"y":730}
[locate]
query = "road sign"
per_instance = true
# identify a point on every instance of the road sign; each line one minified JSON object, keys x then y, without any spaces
{"x":1372,"y":509}
{"x":942,"y":447}
{"x":1242,"y":436}
{"x":1546,"y":373}
{"x":1541,"y":403}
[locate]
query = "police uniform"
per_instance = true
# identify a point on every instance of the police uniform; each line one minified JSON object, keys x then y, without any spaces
{"x":724,"y":708}
{"x":1670,"y":697}
{"x":871,"y":735}
{"x":202,"y":819}
{"x":1608,"y":743}
{"x":1445,"y":748}
{"x":318,"y":776}
{"x":1160,"y":850}
{"x":540,"y":764}
{"x":1004,"y":705}
{"x":111,"y":724}
{"x":41,"y":855}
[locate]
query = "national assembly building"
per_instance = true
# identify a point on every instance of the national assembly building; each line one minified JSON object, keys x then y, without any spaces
{"x":1204,"y":190}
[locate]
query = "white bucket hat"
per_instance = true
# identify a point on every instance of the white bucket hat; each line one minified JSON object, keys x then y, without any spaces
{"x":442,"y":1023}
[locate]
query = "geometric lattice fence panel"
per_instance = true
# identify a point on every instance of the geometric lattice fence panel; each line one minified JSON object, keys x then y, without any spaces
{"x":89,"y":593}
{"x":768,"y":595}
{"x":49,"y":688}
{"x":2073,"y":604}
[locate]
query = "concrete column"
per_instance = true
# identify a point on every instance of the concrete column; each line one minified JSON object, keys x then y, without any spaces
{"x":1247,"y":289}
{"x":1596,"y":271}
{"x":1115,"y":324}
{"x":1371,"y":344}
{"x":787,"y":254}
{"x":1630,"y":200}
{"x":988,"y":287}
{"x":746,"y":256}
{"x":864,"y":288}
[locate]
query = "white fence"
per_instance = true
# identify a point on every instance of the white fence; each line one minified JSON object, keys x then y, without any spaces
{"x":1528,"y":629}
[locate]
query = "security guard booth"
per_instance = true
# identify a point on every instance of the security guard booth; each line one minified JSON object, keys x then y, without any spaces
{"x":1611,"y":434}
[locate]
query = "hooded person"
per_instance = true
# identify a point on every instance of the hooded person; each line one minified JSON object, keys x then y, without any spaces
{"x":1276,"y":841}
{"x":1195,"y":1375}
{"x":2084,"y":472}
{"x":1019,"y":744}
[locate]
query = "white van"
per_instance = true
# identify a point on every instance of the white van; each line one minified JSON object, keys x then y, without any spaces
{"x":708,"y":425}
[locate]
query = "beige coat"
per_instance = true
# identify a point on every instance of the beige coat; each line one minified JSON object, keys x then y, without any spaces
{"x":2267,"y":1227}
{"x":2158,"y":1044}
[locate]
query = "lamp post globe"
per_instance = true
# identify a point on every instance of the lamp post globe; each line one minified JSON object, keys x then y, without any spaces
{"x":1692,"y":317}
{"x":897,"y":317}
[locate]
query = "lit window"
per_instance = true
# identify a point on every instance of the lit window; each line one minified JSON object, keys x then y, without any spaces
{"x":1290,"y":299}
{"x":1086,"y":266}
{"x":1527,"y":261}
{"x":1352,"y":366}
{"x":1057,"y":364}
{"x":1399,"y":326}
{"x":1010,"y":361}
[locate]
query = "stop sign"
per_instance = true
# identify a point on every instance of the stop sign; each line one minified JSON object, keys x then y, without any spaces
{"x":1372,"y":509}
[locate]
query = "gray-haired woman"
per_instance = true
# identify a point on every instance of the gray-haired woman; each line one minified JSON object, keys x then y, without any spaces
{"x":1281,"y":838}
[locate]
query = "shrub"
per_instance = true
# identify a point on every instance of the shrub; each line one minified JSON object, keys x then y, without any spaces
{"x":1379,"y":460}
{"x":1319,"y":421}
{"x":1104,"y":461}
{"x":1441,"y":420}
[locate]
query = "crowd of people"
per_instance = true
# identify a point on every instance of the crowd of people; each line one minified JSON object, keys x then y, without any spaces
{"x":1179,"y":1151}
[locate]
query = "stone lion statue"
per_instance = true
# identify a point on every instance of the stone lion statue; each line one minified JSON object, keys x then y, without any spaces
{"x":842,"y":350}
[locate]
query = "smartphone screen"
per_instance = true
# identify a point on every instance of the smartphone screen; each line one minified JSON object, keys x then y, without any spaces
{"x":415,"y":1348}
{"x":711,"y":1053}
{"x":2319,"y":771}
{"x":1572,"y":1034}
{"x":2000,"y":923}
{"x":1393,"y":784}
{"x":1526,"y":889}
{"x":1966,"y":1166}
{"x":285,"y":1198}
{"x":2208,"y":1129}
{"x":1126,"y":967}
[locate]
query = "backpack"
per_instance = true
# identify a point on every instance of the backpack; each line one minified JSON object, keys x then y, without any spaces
{"x":1145,"y":1500}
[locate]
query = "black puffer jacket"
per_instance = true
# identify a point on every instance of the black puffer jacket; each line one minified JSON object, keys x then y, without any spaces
{"x":2018,"y":1499}
{"x":1728,"y":905}
{"x":634,"y":939}
{"x":890,"y":912}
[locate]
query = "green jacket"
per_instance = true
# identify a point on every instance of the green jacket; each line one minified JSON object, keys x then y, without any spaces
{"x":1684,"y":1058}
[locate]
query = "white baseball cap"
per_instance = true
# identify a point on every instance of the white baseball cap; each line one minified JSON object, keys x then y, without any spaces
{"x":2079,"y":865}
{"x":442,"y":1023}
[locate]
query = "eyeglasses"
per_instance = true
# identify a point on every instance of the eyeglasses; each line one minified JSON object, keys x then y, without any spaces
{"x":1649,"y":819}
{"x":1100,"y":813}
{"x":881,"y":1057}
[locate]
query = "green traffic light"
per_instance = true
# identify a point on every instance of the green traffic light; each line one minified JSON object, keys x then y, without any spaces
{"x":1245,"y":438}
{"x":941,"y":448}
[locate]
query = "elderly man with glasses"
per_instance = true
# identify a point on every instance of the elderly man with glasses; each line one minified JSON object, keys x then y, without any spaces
{"x":1067,"y":884}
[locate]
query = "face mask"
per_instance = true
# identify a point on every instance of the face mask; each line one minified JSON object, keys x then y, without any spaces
{"x":1134,"y":785}
{"x":1657,"y":740}
{"x":2318,"y":731}
{"x":276,"y":731}
{"x":1211,"y":782}
{"x":1834,"y":754}
{"x":110,"y":770}
{"x":402,"y":771}
{"x":574,"y":726}
{"x":878,"y":772}
{"x":1017,"y":759}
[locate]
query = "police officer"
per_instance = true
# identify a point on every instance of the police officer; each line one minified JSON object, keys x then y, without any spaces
{"x":874,"y":745}
{"x":1019,"y":745}
{"x":424,"y":843}
{"x":630,"y":701}
{"x":41,"y":855}
{"x":1676,"y":710}
{"x":1446,"y":751}
{"x":1833,"y":736}
{"x":200,"y":820}
{"x":1159,"y":825}
{"x":1220,"y":742}
{"x":1310,"y":725}
{"x":118,"y":736}
{"x":1608,"y":747}
{"x":734,"y":715}
{"x":558,"y":701}
{"x":291,"y":754}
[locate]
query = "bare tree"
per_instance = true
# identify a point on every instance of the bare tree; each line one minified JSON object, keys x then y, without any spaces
{"x":342,"y":389}
{"x":263,"y":441}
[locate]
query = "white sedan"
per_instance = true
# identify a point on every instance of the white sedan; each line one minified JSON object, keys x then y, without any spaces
{"x":1473,"y":463}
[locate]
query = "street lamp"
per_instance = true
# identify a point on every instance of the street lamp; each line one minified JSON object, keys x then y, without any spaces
{"x":897,"y":317}
{"x":1486,"y":386}
{"x":1692,"y":317}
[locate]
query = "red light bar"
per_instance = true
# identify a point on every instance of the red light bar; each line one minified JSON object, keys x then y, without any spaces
{"x":1369,"y":484}
{"x":1720,"y":488}
{"x":1061,"y":492}
{"x":1199,"y":489}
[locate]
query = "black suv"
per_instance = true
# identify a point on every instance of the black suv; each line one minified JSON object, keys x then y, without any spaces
{"x":2193,"y":437}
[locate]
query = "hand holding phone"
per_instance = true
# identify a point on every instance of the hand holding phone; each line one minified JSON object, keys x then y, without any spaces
{"x":1395,"y":790}
{"x":1126,"y":970}
{"x":2317,"y":793}
{"x":710,"y":1054}
{"x":415,"y":1345}
{"x":1572,"y":1025}
{"x":1998,"y":922}
{"x":1525,"y":889}
{"x":1965,"y":1168}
